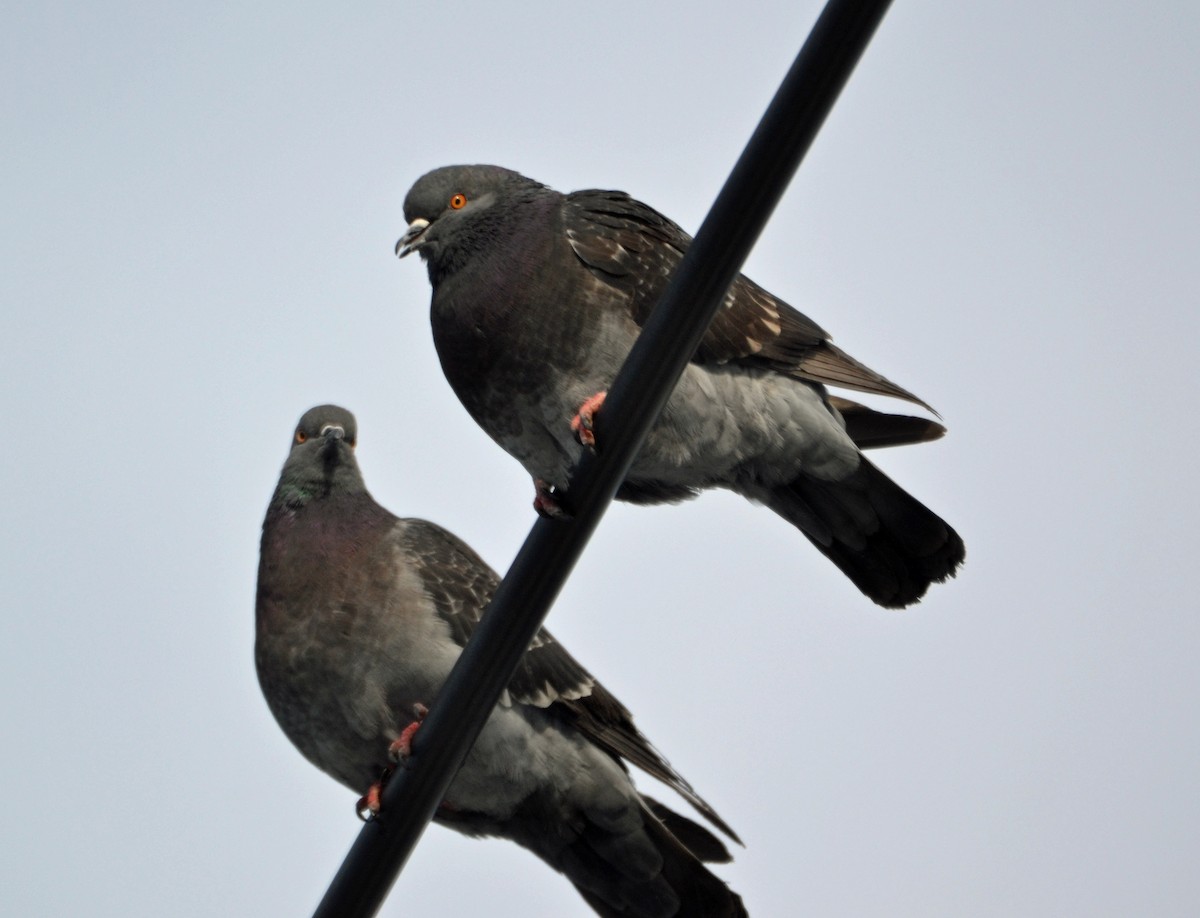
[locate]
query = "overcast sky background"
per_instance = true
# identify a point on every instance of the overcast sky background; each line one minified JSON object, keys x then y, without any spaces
{"x":197,"y":211}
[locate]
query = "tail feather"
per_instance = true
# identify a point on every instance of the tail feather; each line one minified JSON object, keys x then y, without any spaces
{"x":680,"y":886}
{"x":890,"y":545}
{"x":693,"y":836}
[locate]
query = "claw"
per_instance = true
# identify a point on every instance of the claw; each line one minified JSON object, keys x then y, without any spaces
{"x":401,"y":747}
{"x":369,"y":804}
{"x":584,"y":421}
{"x":546,"y":502}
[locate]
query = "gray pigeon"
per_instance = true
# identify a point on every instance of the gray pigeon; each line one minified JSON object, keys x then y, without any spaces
{"x":537,"y":299}
{"x":361,"y":615}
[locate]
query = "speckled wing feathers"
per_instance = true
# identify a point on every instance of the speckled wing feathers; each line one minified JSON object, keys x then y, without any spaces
{"x":461,"y":585}
{"x":635,"y":248}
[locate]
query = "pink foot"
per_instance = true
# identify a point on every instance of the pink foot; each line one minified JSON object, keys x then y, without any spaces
{"x":582,"y":423}
{"x":400,"y":749}
{"x":368,"y":804}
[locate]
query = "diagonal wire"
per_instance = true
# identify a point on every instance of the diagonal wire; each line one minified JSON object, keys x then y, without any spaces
{"x":667,"y":342}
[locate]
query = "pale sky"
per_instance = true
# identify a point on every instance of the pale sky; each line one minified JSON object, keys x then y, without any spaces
{"x":1002,"y":214}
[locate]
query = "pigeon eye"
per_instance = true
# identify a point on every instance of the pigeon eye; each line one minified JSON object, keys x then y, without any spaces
{"x":458,"y":202}
{"x":301,"y":436}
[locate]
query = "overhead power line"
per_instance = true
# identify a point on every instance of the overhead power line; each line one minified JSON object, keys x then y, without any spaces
{"x":668,"y":341}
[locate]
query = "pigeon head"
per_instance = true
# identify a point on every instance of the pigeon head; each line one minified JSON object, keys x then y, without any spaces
{"x":322,"y":460}
{"x":449,"y":210}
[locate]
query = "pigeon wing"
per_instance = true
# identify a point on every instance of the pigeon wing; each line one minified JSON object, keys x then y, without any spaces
{"x":461,"y":585}
{"x":635,"y":248}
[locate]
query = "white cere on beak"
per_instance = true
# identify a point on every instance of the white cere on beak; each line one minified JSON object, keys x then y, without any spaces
{"x":411,"y":240}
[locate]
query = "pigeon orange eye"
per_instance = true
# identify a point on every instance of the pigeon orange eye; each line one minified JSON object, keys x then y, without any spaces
{"x":458,"y":202}
{"x":301,"y":436}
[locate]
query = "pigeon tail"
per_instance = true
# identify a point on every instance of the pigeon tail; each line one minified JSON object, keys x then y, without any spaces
{"x":886,"y":541}
{"x":696,"y":838}
{"x":680,"y":886}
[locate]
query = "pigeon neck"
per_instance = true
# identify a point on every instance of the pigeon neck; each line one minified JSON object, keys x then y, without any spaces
{"x":298,"y":488}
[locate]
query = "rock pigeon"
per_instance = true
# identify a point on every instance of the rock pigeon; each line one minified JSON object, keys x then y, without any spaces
{"x":360,"y":617}
{"x":538,"y":297}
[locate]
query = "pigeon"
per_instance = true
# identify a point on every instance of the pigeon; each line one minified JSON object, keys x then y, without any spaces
{"x":538,"y":297}
{"x":360,"y":616}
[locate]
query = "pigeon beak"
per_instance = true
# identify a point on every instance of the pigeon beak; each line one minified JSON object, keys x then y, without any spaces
{"x":411,"y":240}
{"x":330,"y":450}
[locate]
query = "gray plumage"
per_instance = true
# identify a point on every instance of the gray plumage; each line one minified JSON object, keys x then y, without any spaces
{"x":537,"y":299}
{"x":361,"y":615}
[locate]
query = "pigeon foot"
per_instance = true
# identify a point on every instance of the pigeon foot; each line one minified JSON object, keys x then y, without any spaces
{"x":583,"y":422}
{"x":400,"y":749}
{"x":546,"y":502}
{"x":368,"y":804}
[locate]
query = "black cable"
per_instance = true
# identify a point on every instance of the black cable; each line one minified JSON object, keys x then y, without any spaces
{"x":542,"y":566}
